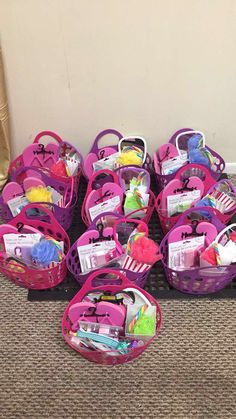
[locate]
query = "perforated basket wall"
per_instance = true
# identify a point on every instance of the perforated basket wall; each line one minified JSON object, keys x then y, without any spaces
{"x":107,"y":357}
{"x":64,"y":215}
{"x":35,"y":278}
{"x":197,"y":280}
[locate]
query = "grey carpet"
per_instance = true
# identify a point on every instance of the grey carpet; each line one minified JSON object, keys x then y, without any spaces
{"x":188,"y":372}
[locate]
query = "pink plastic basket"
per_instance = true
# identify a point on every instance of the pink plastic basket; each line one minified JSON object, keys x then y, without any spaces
{"x":97,"y":153}
{"x":63,"y":213}
{"x":198,"y":280}
{"x":35,"y":278}
{"x":122,"y":226}
{"x":19,"y":163}
{"x":107,"y":357}
{"x":182,"y":140}
{"x":100,"y":178}
{"x":97,"y":181}
{"x":182,"y":174}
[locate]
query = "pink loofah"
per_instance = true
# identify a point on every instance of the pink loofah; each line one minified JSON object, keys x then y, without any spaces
{"x":145,"y":250}
{"x":59,"y":168}
{"x":209,"y":256}
{"x":233,"y":236}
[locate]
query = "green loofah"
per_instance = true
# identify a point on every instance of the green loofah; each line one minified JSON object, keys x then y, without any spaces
{"x":145,"y":326}
{"x":132,"y":201}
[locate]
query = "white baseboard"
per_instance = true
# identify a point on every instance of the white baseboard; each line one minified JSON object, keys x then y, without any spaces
{"x":230,"y":168}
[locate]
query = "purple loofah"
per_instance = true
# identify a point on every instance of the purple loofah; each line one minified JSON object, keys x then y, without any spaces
{"x":194,"y":142}
{"x":197,"y":156}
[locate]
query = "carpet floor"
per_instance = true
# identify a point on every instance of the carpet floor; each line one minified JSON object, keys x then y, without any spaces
{"x":188,"y":372}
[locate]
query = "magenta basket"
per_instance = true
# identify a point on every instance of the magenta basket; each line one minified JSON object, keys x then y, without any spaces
{"x":107,"y":357}
{"x":35,"y":278}
{"x":182,"y":136}
{"x":123,"y":227}
{"x":96,"y":181}
{"x":63,"y":214}
{"x":182,"y":174}
{"x":97,"y":153}
{"x":198,"y":281}
{"x":100,"y":178}
{"x":19,"y":162}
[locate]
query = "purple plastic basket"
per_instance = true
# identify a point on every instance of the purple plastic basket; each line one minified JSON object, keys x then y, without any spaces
{"x":162,"y":180}
{"x":198,"y":280}
{"x":107,"y":150}
{"x":63,"y":215}
{"x":73,"y":263}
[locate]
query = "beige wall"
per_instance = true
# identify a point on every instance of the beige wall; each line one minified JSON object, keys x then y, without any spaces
{"x":145,"y":67}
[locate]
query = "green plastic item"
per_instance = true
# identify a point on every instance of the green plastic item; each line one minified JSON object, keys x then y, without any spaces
{"x":132,"y":201}
{"x":145,"y":326}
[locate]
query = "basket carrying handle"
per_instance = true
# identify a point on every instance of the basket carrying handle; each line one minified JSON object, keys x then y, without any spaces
{"x":189,"y":132}
{"x":24,"y":169}
{"x":119,"y":219}
{"x":132,"y":138}
{"x":23,"y":217}
{"x":108,"y":131}
{"x":130,"y":220}
{"x":102,"y":172}
{"x":46,"y":172}
{"x":93,"y":225}
{"x":49,"y":134}
{"x":88,"y":286}
{"x":221,"y":233}
{"x":211,"y":211}
{"x":196,"y":166}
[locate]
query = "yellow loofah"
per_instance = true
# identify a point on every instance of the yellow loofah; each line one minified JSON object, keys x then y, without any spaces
{"x":131,"y":156}
{"x":38,"y":194}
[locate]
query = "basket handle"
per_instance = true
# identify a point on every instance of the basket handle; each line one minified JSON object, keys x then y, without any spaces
{"x":204,"y":169}
{"x":99,"y":173}
{"x":221,"y":233}
{"x":47,"y":173}
{"x":189,"y":132}
{"x":120,"y":218}
{"x":49,"y":134}
{"x":134,"y":137}
{"x":88,"y":286}
{"x":212,"y":211}
{"x":130,"y":220}
{"x":102,"y":134}
{"x":72,"y":181}
{"x":24,"y":218}
{"x":93,"y":225}
{"x":24,"y":169}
